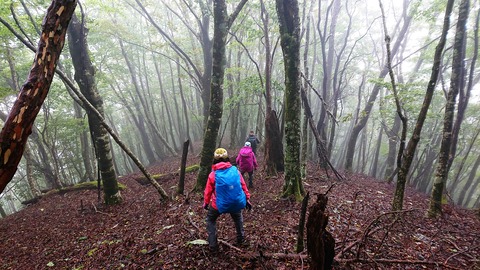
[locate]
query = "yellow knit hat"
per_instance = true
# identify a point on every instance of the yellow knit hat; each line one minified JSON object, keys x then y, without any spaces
{"x":220,"y":153}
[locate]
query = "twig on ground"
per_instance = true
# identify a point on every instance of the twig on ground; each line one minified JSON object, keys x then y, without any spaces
{"x":190,"y":220}
{"x":97,"y":211}
{"x":369,"y":231}
{"x":395,"y":261}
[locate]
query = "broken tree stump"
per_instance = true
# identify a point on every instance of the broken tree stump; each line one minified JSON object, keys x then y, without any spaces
{"x":320,"y":242}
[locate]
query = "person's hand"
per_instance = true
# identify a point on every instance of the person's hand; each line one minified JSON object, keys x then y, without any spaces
{"x":248,"y":206}
{"x":205,"y":206}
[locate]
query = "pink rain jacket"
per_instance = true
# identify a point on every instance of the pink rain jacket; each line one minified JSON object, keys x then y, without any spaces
{"x":246,"y":161}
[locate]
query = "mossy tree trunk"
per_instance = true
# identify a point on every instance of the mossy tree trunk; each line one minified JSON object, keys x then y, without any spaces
{"x":18,"y":126}
{"x":85,"y":78}
{"x":289,"y":22}
{"x":441,"y":174}
{"x":222,"y":24}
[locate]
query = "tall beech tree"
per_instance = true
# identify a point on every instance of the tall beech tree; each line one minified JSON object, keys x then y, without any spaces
{"x":85,"y":78}
{"x":18,"y":126}
{"x":202,"y":75}
{"x":289,"y":22}
{"x":274,"y":157}
{"x":415,"y":137}
{"x":361,"y":122}
{"x":222,"y":23}
{"x":456,"y":80}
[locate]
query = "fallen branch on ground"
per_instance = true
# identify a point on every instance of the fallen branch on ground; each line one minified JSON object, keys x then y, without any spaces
{"x":396,"y":261}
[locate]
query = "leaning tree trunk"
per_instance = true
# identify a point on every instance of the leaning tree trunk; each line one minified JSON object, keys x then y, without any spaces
{"x":455,"y":82}
{"x":222,"y":24}
{"x":18,"y":126}
{"x":289,"y":23}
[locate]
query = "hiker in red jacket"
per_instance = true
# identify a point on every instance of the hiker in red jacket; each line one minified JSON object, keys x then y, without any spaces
{"x":225,"y":192}
{"x":246,"y":162}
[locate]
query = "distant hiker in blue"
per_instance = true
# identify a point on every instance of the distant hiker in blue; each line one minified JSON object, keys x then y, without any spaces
{"x":253,"y":140}
{"x":225,"y":192}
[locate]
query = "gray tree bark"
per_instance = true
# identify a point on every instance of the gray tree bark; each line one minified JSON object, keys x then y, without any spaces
{"x":85,"y":78}
{"x":441,"y":173}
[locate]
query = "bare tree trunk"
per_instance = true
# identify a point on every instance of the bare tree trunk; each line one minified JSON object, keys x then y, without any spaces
{"x":365,"y":114}
{"x":32,"y":183}
{"x":415,"y":138}
{"x":452,"y":185}
{"x":455,"y":83}
{"x":274,"y":157}
{"x":181,"y":181}
{"x":400,"y":186}
{"x":234,"y":110}
{"x":376,"y":155}
{"x":186,"y":134}
{"x":468,"y":186}
{"x":327,"y":42}
{"x":2,"y":212}
{"x":140,"y":106}
{"x":465,"y":97}
{"x":304,"y":149}
{"x":165,"y":105}
{"x":85,"y":146}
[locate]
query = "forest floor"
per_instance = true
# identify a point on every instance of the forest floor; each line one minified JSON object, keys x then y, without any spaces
{"x":73,"y":231}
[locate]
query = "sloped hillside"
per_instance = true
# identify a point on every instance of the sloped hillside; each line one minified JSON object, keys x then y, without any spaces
{"x":71,"y":231}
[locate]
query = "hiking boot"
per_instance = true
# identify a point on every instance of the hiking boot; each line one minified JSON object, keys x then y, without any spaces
{"x":250,"y":184}
{"x":242,"y":243}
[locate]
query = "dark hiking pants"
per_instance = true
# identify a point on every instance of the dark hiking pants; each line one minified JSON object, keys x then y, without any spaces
{"x":212,"y":216}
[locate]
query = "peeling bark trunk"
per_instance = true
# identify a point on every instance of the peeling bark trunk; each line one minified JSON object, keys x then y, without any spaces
{"x":18,"y":126}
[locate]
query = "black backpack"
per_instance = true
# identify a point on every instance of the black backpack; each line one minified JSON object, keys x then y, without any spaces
{"x":252,"y":140}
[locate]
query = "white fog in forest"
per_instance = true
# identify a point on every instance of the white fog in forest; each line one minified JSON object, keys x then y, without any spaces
{"x":150,"y":71}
